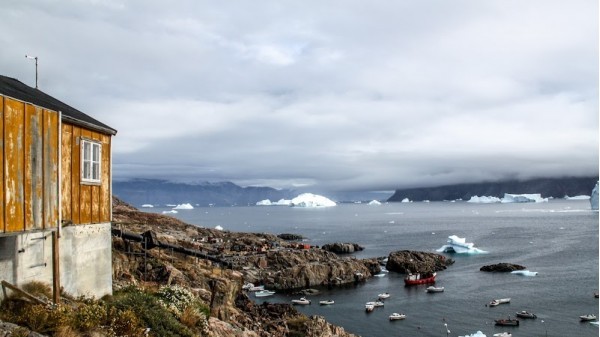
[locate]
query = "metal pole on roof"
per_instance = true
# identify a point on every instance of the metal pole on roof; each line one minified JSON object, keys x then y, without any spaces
{"x":36,"y":68}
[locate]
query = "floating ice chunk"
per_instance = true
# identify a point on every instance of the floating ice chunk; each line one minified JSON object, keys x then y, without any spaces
{"x":460,"y":246}
{"x":477,"y":334}
{"x":510,"y":198}
{"x":405,"y":200}
{"x":147,"y":205}
{"x":483,"y":200}
{"x":170,"y":212}
{"x":374,"y":202}
{"x":577,"y":197}
{"x":524,"y":272}
{"x":310,"y":200}
{"x":184,"y":206}
{"x":265,"y":202}
{"x":218,"y":227}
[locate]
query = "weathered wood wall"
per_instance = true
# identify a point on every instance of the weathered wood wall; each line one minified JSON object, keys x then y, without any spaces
{"x":29,"y":157}
{"x":84,"y":203}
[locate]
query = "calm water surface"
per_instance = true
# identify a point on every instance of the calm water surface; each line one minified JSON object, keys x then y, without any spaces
{"x":558,"y":239}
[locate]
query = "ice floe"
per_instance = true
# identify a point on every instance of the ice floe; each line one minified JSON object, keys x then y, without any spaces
{"x":477,"y":334}
{"x":483,"y":200}
{"x":459,"y":245}
{"x":170,"y":212}
{"x":147,"y":205}
{"x":524,"y":272}
{"x":374,"y":202}
{"x":184,"y":206}
{"x":512,"y":198}
{"x":218,"y":227}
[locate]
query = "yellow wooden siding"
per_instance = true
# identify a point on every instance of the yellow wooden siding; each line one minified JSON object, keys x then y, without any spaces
{"x":34,"y":179}
{"x":84,"y":202}
{"x":2,"y":222}
{"x":51,"y":162}
{"x":13,"y":165}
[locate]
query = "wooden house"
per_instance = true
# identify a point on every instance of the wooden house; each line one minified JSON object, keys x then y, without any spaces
{"x":55,"y":200}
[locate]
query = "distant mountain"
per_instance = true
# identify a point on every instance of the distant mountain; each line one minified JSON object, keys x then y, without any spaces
{"x":547,"y":187}
{"x":161,"y":192}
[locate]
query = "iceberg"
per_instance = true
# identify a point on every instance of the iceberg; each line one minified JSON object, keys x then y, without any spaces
{"x":577,"y":197}
{"x":218,"y":227}
{"x":477,"y":334}
{"x":524,"y":272}
{"x":594,"y":198}
{"x":511,"y":198}
{"x":310,"y":200}
{"x":147,"y":205}
{"x":459,"y":246}
{"x":170,"y":212}
{"x":483,"y":200}
{"x":184,"y":206}
{"x":374,"y":202}
{"x":267,"y":202}
{"x":405,"y":200}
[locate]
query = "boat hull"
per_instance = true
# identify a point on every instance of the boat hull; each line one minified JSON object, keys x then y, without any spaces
{"x":411,"y":280}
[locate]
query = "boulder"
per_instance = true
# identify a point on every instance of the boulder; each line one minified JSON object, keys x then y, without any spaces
{"x":342,"y":248}
{"x":407,"y":261}
{"x":502,"y":267}
{"x":290,"y":237}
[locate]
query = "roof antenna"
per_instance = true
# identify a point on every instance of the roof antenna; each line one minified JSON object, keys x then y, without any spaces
{"x":36,"y":68}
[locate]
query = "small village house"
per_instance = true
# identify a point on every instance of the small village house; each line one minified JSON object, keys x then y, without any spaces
{"x":55,"y":199}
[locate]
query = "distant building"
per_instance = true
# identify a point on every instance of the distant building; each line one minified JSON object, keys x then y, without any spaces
{"x":55,"y":201}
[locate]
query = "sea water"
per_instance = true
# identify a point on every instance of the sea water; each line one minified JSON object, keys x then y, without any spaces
{"x":557,"y":239}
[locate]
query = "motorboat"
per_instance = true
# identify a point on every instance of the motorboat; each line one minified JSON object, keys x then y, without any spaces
{"x":396,"y":316}
{"x":378,"y":304}
{"x":256,"y":288}
{"x":301,"y":301}
{"x":526,"y":314}
{"x":369,"y":306}
{"x":433,"y":289}
{"x":502,"y":334}
{"x":507,"y":322}
{"x":585,"y":318}
{"x":263,"y":293}
{"x":418,"y":278}
{"x":327,"y":302}
{"x":496,"y":302}
{"x":384,"y":296}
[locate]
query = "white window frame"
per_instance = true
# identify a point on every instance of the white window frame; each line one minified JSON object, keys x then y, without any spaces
{"x":91,"y":161}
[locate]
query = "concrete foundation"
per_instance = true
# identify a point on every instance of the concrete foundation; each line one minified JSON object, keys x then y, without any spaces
{"x":85,"y":259}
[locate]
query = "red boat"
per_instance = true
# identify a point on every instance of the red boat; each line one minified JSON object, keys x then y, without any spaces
{"x":412,"y":279}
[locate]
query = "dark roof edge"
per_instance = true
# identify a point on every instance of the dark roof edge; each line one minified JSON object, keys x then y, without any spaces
{"x":75,"y":121}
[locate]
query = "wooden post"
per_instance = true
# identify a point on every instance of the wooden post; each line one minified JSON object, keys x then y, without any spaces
{"x":55,"y":269}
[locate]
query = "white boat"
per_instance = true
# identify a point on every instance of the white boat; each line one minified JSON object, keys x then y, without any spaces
{"x":369,"y":306}
{"x":503,"y":334}
{"x":256,"y":288}
{"x":432,"y":289}
{"x":378,"y":304}
{"x":326,"y":302}
{"x":496,"y":302}
{"x":263,"y":293}
{"x":589,"y":317}
{"x":396,"y":316}
{"x":384,"y":296}
{"x":301,"y":301}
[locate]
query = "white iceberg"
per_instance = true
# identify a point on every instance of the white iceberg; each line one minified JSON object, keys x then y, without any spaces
{"x":374,"y":202}
{"x":513,"y":198}
{"x":218,"y":227}
{"x":594,"y":198}
{"x":524,"y":272}
{"x":477,"y":334}
{"x":405,"y":200}
{"x":577,"y":197}
{"x":483,"y":200}
{"x":147,"y":205}
{"x":310,"y":200}
{"x":170,"y":212}
{"x":459,"y":246}
{"x":267,"y":202}
{"x":184,"y":206}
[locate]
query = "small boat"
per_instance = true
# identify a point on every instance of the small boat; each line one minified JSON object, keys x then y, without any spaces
{"x":502,"y":334}
{"x":526,"y":314}
{"x":301,"y":301}
{"x":585,"y":318}
{"x":369,"y":306}
{"x":432,"y":289}
{"x":507,"y":322}
{"x":384,"y":296}
{"x":494,"y":303}
{"x":378,"y":304}
{"x":263,"y":293}
{"x":413,"y":279}
{"x":380,"y":275}
{"x":396,"y":316}
{"x":256,"y":288}
{"x":327,"y":302}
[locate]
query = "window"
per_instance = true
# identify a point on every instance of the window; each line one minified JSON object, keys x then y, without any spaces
{"x":90,"y":163}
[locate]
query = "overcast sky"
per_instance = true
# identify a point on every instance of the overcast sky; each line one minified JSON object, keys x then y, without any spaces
{"x":339,"y":95}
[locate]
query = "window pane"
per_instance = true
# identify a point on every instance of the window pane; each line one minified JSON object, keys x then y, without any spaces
{"x":86,"y":170}
{"x":86,"y":150}
{"x":96,"y":171}
{"x":96,"y":156}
